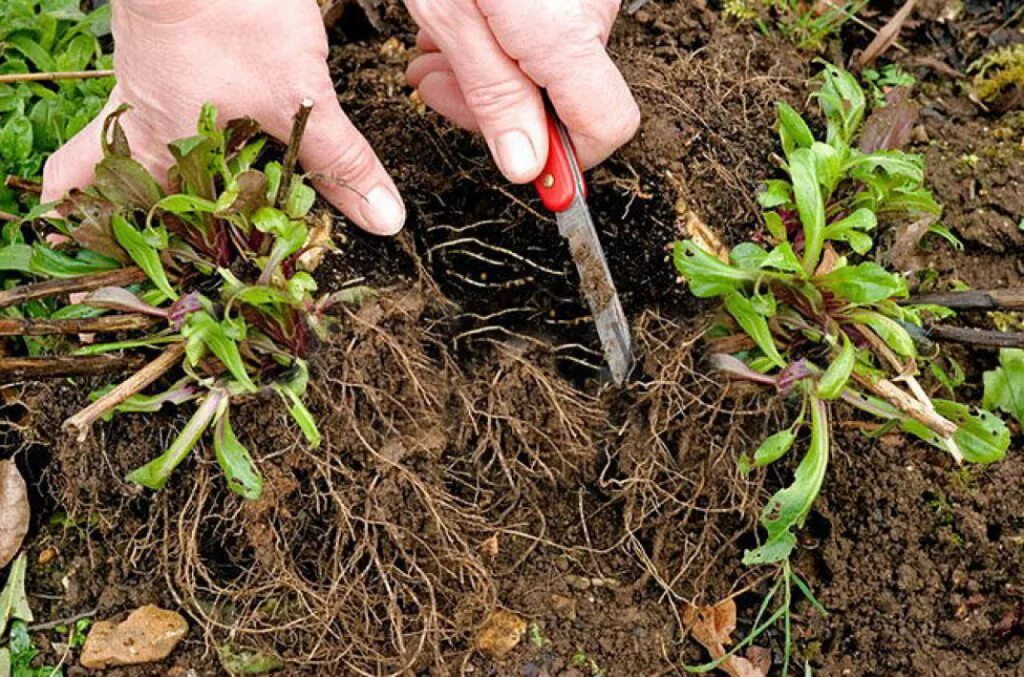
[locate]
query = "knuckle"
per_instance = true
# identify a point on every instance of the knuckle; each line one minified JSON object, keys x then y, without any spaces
{"x":352,"y":164}
{"x":493,"y":98}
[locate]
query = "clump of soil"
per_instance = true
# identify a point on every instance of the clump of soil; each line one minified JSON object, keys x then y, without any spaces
{"x":473,"y":461}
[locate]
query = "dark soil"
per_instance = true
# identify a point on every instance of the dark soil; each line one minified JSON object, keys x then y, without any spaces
{"x":471,"y":461}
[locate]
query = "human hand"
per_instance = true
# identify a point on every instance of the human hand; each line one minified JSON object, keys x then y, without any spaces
{"x":259,"y":60}
{"x":485,"y":61}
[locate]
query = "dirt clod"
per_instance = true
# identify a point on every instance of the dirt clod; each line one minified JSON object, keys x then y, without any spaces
{"x":500,"y":634}
{"x":149,"y":634}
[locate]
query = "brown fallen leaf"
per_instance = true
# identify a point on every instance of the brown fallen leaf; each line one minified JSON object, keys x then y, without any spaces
{"x":886,"y":36}
{"x":14,"y":511}
{"x":713,"y":626}
{"x":149,"y":634}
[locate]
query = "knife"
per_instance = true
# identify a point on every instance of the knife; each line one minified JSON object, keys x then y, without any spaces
{"x":563,"y":191}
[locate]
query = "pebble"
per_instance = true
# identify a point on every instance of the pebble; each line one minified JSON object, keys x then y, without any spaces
{"x":149,"y":634}
{"x":501,"y":632}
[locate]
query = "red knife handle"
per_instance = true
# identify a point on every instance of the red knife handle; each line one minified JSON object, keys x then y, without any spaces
{"x":556,"y":185}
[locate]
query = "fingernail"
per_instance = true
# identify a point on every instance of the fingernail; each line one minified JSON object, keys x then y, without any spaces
{"x":516,"y":156}
{"x":382,"y":211}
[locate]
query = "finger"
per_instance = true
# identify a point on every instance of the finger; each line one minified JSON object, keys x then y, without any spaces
{"x":506,"y":105}
{"x":350,"y":175}
{"x":563,"y":50}
{"x":425,"y":43}
{"x":433,"y":78}
{"x":73,"y":164}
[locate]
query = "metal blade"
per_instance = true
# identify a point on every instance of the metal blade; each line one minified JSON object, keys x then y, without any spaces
{"x":577,"y":227}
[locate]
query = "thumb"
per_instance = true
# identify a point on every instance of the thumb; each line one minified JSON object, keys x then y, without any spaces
{"x":73,"y":164}
{"x":346,"y":171}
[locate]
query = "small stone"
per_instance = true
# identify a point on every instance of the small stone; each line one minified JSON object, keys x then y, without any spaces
{"x":500,"y":634}
{"x":149,"y":634}
{"x":578,"y":582}
{"x":564,"y":605}
{"x":47,"y":556}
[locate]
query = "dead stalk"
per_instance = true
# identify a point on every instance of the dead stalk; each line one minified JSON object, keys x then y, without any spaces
{"x":44,"y":327}
{"x":65,"y":366}
{"x":50,"y":288}
{"x":49,"y":77}
{"x":81,"y":422}
{"x":910,"y":406}
{"x":291,"y":155}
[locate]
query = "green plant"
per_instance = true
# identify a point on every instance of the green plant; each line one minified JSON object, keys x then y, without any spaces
{"x":36,"y":118}
{"x":225,"y":259}
{"x":880,"y":81}
{"x":805,"y":24}
{"x":821,"y":321}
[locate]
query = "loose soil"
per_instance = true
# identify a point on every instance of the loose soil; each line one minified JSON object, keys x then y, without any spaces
{"x":472,"y":459}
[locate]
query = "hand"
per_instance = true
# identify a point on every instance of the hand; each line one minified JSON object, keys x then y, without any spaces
{"x":260,"y":59}
{"x":485,"y":61}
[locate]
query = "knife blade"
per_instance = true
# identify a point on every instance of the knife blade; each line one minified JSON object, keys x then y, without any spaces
{"x":563,"y":191}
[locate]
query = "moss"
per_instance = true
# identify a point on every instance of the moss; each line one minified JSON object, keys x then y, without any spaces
{"x":997,"y":72}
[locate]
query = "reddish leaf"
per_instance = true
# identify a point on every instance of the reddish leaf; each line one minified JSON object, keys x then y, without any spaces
{"x":890,"y":127}
{"x":94,"y":215}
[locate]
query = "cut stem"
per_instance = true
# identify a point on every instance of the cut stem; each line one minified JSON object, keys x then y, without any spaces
{"x":291,"y":155}
{"x":100,"y":325}
{"x":977,"y":337}
{"x":975,"y":299}
{"x":80,"y":423}
{"x":911,"y":406}
{"x":71,"y":285}
{"x":59,"y":75}
{"x":33,"y":368}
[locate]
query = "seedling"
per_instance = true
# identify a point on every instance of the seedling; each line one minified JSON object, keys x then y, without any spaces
{"x":881,"y":81}
{"x":222,"y":285}
{"x":809,"y":315}
{"x":805,"y":24}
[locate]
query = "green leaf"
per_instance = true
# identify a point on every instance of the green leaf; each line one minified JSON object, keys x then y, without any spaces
{"x":810,"y":204}
{"x":234,"y":459}
{"x":838,"y":373}
{"x":755,"y":324}
{"x":789,"y":507}
{"x":13,"y":601}
{"x":186,"y":204}
{"x":139,"y":246}
{"x":775,"y":193}
{"x":843,"y":103}
{"x":16,"y":257}
{"x":154,"y":475}
{"x":793,"y":131}
{"x":782,"y":258}
{"x":301,"y":199}
{"x":240,"y":661}
{"x":748,"y":256}
{"x":889,"y":330}
{"x":221,"y":338}
{"x":774,"y":447}
{"x":981,"y":437}
{"x":851,"y":230}
{"x":705,"y":274}
{"x":828,"y":166}
{"x":302,"y":416}
{"x":16,"y":140}
{"x":864,"y":283}
{"x":773,"y":222}
{"x":1004,"y":386}
{"x":51,"y":263}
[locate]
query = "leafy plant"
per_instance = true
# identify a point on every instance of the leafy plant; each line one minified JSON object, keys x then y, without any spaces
{"x":1004,"y":386}
{"x":225,"y":257}
{"x":805,"y":24}
{"x":36,"y":118}
{"x":880,"y":81}
{"x":817,"y":320}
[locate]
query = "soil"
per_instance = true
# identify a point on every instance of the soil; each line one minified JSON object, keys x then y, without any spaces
{"x":474,"y":460}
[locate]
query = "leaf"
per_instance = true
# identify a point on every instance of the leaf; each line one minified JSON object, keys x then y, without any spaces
{"x":864,"y":283}
{"x":235,"y":461}
{"x":810,"y":204}
{"x":981,"y":437}
{"x":775,"y":193}
{"x":850,"y":229}
{"x":116,"y":298}
{"x":154,"y":475}
{"x":891,"y":126}
{"x":126,"y":183}
{"x":16,"y":258}
{"x":143,"y":253}
{"x":16,"y":140}
{"x":241,"y":661}
{"x":705,"y":274}
{"x":301,"y":415}
{"x":222,"y":340}
{"x":838,"y":373}
{"x":713,"y":626}
{"x":1004,"y":386}
{"x":95,"y":223}
{"x":13,"y":601}
{"x":843,"y":103}
{"x":14,"y":512}
{"x":890,"y":331}
{"x":748,"y":256}
{"x":773,"y":448}
{"x":782,"y":258}
{"x":756,"y":326}
{"x":300,"y":200}
{"x":51,"y":263}
{"x":793,"y":131}
{"x":789,"y":507}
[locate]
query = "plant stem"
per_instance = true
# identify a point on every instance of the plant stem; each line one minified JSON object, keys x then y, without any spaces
{"x":975,"y":299}
{"x":81,"y":422}
{"x":71,"y":285}
{"x":978,"y":337}
{"x":910,"y":406}
{"x":47,"y":77}
{"x":24,"y":185}
{"x":31,"y":368}
{"x":291,"y":155}
{"x":4,"y":216}
{"x":44,"y":327}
